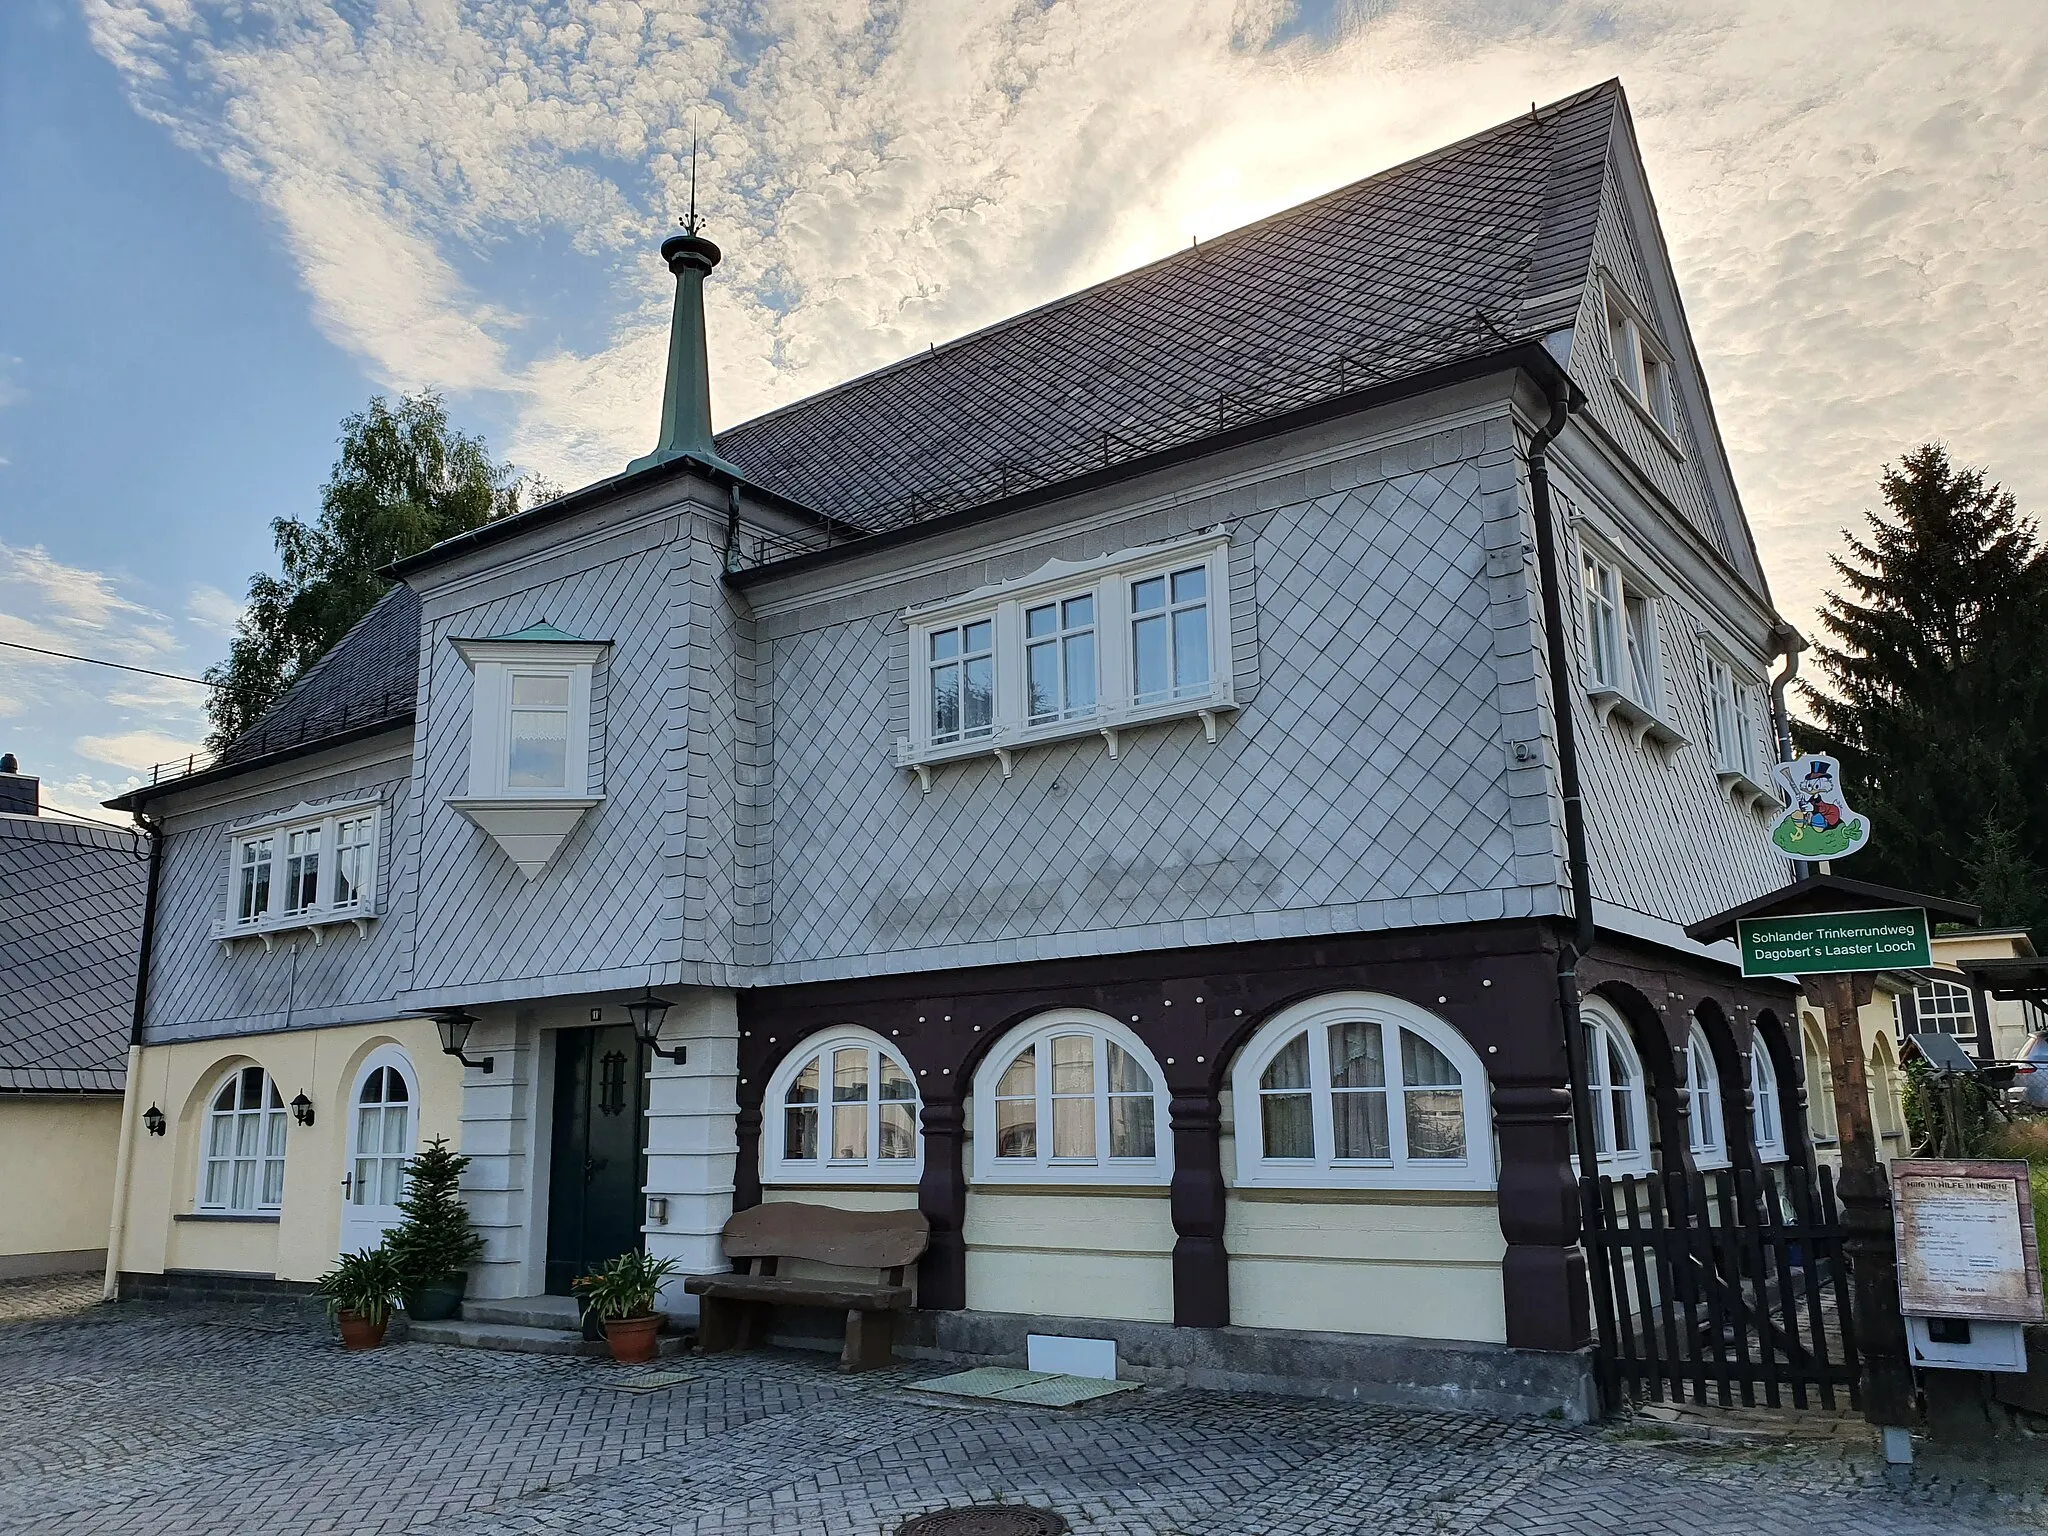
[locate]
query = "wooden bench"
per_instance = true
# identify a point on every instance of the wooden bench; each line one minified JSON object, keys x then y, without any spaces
{"x":734,"y":1306}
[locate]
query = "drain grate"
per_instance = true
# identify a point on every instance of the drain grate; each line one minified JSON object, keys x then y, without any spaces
{"x":985,"y":1520}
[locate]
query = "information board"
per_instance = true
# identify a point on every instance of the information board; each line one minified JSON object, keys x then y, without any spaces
{"x":1814,"y":943}
{"x":1967,"y":1246}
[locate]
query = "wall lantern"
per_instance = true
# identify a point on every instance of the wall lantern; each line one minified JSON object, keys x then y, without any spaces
{"x":153,"y":1120}
{"x":454,"y":1026}
{"x":648,"y":1011}
{"x":302,"y":1110}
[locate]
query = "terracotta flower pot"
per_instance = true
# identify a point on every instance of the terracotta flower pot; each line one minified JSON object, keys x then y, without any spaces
{"x":359,"y":1332}
{"x":634,"y":1340}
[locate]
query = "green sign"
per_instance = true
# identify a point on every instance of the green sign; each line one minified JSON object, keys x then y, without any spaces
{"x":1894,"y":939}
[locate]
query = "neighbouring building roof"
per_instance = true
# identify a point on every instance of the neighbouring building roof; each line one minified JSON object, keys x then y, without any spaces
{"x":70,"y":933}
{"x":1454,"y":256}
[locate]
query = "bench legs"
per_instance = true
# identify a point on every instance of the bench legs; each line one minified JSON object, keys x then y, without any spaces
{"x":724,"y":1325}
{"x":870,"y":1341}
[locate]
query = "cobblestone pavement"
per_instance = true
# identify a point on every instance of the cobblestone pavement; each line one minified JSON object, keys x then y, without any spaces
{"x":158,"y":1419}
{"x":48,"y":1295}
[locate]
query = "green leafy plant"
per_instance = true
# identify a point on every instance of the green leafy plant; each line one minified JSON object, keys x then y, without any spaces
{"x":626,"y":1287}
{"x":367,"y":1284}
{"x":437,"y":1240}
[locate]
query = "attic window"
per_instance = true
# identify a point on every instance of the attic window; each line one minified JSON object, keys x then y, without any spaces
{"x":1642,"y":365}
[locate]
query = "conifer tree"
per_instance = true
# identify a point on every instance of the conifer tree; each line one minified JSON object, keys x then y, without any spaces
{"x":1934,"y":687}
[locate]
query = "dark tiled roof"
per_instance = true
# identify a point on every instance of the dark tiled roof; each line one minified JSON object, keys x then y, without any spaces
{"x":1432,"y":263}
{"x":369,"y":677}
{"x":70,"y":931}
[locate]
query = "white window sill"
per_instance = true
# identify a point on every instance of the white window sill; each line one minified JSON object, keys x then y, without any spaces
{"x":268,"y":1218}
{"x":1307,"y":1176}
{"x":844,"y":1175}
{"x":1004,"y":742}
{"x":1144,"y":1173}
{"x":1641,"y":724}
{"x":1747,"y":794}
{"x":314,"y":920}
{"x":1648,"y":417}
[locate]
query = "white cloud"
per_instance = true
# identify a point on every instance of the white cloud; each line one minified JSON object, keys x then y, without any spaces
{"x":135,"y":750}
{"x":1855,"y":194}
{"x":212,"y":609}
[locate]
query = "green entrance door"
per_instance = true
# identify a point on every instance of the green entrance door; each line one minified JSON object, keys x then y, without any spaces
{"x":597,"y":1166}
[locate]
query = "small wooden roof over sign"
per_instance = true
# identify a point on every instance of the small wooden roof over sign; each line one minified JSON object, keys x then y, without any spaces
{"x":1828,"y":893}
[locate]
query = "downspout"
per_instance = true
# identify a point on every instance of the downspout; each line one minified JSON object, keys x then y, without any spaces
{"x":1577,"y":864}
{"x":117,"y":1227}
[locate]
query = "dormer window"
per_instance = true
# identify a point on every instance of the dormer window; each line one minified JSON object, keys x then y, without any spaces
{"x":531,"y":760}
{"x":1642,"y":366}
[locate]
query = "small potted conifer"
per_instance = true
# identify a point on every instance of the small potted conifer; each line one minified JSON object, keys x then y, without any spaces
{"x":436,"y":1242}
{"x":360,"y":1291}
{"x":622,"y":1294}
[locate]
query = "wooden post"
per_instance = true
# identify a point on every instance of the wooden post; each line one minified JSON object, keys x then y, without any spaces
{"x":1870,"y":1242}
{"x":942,"y":1196}
{"x":1201,"y":1266}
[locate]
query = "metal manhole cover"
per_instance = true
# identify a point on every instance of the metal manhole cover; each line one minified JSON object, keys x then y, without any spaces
{"x":985,"y":1520}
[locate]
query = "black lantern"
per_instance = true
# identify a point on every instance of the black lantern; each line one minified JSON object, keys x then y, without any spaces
{"x":153,"y":1120}
{"x":454,"y":1026}
{"x":648,"y":1011}
{"x":302,"y":1110}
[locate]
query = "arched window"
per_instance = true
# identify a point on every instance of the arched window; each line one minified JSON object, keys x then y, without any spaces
{"x":1765,"y":1113}
{"x":1360,"y":1089}
{"x":1886,"y":1113}
{"x":1621,"y":1110}
{"x":242,"y":1159}
{"x":842,"y":1109}
{"x":1071,"y":1096}
{"x":1708,"y":1127}
{"x":1820,"y":1082}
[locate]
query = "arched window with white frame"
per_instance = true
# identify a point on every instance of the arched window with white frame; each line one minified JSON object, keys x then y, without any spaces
{"x":1621,"y":1106}
{"x":842,"y":1108}
{"x":1820,"y":1082}
{"x":1766,"y":1115}
{"x":1357,"y":1089}
{"x":1071,"y":1097}
{"x":1707,"y":1126}
{"x":241,"y":1163}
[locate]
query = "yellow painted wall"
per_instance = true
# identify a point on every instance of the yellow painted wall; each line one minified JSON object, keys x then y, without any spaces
{"x":1416,"y":1265}
{"x":1874,"y":1024}
{"x":57,"y":1188}
{"x":1070,"y":1252}
{"x":163,"y":1176}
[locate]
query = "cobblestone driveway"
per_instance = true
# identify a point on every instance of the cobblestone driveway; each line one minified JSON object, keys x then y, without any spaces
{"x":162,"y":1419}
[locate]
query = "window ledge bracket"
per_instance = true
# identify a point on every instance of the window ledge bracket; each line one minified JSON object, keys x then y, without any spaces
{"x":1747,"y":794}
{"x":1638,"y":723}
{"x":1109,"y":736}
{"x":1006,"y":744}
{"x":316,"y":923}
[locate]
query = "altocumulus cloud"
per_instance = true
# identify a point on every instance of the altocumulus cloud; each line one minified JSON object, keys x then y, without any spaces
{"x":1854,"y":192}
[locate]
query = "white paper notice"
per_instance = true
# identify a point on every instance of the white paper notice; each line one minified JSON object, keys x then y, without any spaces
{"x":1961,"y":1248}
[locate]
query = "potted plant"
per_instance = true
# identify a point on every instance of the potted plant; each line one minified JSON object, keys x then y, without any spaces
{"x":622,"y":1293}
{"x":437,"y":1242}
{"x":360,"y":1291}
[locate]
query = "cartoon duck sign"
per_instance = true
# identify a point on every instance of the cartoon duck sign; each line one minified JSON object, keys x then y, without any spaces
{"x":1818,"y":824}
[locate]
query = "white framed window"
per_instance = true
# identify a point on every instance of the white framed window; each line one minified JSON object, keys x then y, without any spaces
{"x":842,"y":1108}
{"x":1624,"y":652}
{"x":1945,"y":1007}
{"x":1820,"y":1081}
{"x":1766,"y":1117}
{"x":1733,"y":711}
{"x":1887,"y":1114}
{"x":530,"y":729}
{"x":241,"y":1164}
{"x":1642,"y":365}
{"x":1621,"y":1106}
{"x":1357,"y":1089}
{"x":1073,"y":649}
{"x":1707,"y":1126}
{"x":1071,"y":1097}
{"x":303,"y":869}
{"x":1602,"y":588}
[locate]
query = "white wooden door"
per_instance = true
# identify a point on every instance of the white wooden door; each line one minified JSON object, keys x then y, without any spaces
{"x":383,"y":1126}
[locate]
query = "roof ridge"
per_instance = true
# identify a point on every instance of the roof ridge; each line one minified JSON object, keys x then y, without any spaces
{"x":1538,"y":118}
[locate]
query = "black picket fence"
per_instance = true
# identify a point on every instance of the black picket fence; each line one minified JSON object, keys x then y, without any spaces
{"x":1726,"y":1286}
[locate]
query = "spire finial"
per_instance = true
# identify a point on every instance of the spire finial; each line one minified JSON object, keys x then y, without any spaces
{"x":690,"y":223}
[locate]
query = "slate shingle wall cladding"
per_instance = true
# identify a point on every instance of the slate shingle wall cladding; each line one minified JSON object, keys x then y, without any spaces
{"x":1643,"y":805}
{"x":70,"y":921}
{"x":1365,"y":785}
{"x":615,"y":895}
{"x":200,"y":986}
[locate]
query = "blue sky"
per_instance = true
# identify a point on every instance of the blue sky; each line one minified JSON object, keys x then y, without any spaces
{"x":229,"y":223}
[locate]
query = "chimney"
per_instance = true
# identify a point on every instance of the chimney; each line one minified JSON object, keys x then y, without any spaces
{"x":686,"y":396}
{"x":20,"y":793}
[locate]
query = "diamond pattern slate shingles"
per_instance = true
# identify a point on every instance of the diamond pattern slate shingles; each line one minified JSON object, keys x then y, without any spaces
{"x":1424,"y":265}
{"x":70,"y":924}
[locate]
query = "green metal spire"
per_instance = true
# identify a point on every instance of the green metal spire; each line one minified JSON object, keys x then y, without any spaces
{"x":686,"y":397}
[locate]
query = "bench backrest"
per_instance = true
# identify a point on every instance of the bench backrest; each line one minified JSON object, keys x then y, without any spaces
{"x":825,"y":1234}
